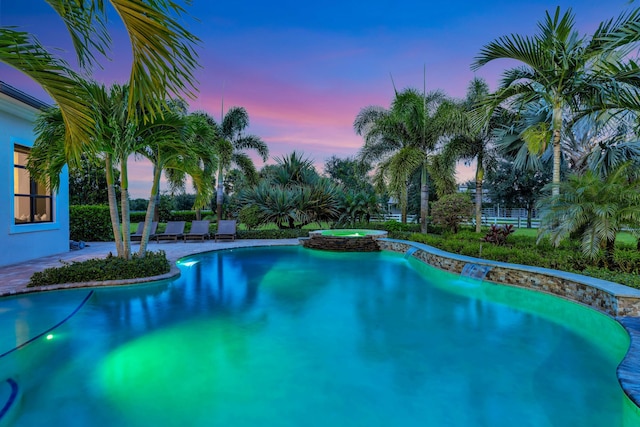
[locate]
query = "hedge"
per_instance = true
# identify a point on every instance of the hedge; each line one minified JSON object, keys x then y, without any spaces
{"x":90,"y":223}
{"x":101,"y":269}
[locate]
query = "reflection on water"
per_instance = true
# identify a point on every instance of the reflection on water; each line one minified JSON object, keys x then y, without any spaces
{"x":291,"y":337}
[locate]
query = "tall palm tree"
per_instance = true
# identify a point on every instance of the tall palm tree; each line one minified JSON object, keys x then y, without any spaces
{"x":112,"y":140}
{"x":163,"y":58}
{"x":200,"y":132}
{"x":229,"y":147}
{"x":473,"y":142}
{"x":171,"y":144}
{"x":116,"y":139}
{"x":403,"y":139}
{"x":560,"y":68}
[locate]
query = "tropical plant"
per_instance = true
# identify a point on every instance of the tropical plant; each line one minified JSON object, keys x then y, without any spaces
{"x":200,"y":134}
{"x":358,"y":206}
{"x":163,"y":59}
{"x":498,"y":234}
{"x":293,"y":194}
{"x":561,"y":70}
{"x":229,"y":147}
{"x":402,"y":140}
{"x":170,"y":144}
{"x":115,"y":140}
{"x":594,"y":208}
{"x":471,"y":142}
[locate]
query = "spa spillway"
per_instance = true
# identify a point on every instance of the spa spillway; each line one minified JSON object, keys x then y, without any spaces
{"x":344,"y":240}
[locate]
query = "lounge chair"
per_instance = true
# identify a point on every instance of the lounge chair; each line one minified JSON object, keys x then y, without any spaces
{"x":137,"y":236}
{"x":199,"y":230}
{"x":226,"y":229}
{"x":174,"y":231}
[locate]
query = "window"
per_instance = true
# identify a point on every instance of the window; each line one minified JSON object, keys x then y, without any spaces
{"x":32,"y":201}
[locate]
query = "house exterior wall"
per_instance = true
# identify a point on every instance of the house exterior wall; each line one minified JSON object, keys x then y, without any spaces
{"x":27,"y":241}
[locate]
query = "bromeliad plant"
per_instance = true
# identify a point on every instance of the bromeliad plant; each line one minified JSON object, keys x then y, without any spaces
{"x":498,"y":234}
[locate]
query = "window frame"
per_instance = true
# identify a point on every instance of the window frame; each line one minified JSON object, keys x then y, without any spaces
{"x":51,"y":223}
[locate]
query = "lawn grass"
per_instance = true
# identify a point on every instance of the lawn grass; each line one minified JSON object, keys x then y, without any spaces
{"x":624,"y":237}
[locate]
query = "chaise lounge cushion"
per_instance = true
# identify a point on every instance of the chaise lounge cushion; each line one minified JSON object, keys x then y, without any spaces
{"x":226,"y":229}
{"x":174,"y":231}
{"x":199,"y":230}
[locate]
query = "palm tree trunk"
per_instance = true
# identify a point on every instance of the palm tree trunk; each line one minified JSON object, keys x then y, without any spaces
{"x":424,"y":197}
{"x":557,"y":153}
{"x":479,"y":178}
{"x":404,"y":202}
{"x":113,"y":205}
{"x":124,"y":207}
{"x":157,"y":171}
{"x":219,"y":195}
{"x":609,"y":250}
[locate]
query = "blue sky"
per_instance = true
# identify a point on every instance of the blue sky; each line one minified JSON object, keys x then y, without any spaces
{"x":304,"y":70}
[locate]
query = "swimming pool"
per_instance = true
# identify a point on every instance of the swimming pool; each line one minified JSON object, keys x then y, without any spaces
{"x":294,"y":337}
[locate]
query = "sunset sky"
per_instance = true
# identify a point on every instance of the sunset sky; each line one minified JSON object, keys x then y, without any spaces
{"x":303,"y":70}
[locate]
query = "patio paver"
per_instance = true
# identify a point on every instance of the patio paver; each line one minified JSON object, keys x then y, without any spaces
{"x":14,"y":278}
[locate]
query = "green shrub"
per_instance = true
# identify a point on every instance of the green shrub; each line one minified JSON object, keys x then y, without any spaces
{"x":100,"y":269}
{"x":187,"y":216}
{"x":249,"y":215}
{"x":452,"y":210}
{"x":627,"y":261}
{"x":136,"y":217}
{"x":90,"y":223}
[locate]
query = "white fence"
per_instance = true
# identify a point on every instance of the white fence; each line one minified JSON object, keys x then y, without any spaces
{"x":394,"y":217}
{"x":519,"y":222}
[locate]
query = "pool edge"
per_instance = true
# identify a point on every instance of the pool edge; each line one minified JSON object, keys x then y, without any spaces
{"x":628,"y":371}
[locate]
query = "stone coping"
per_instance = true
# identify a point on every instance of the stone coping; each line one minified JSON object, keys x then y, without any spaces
{"x":628,"y":370}
{"x":455,"y":263}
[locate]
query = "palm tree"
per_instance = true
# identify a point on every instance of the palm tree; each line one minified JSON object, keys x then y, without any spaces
{"x":473,"y":142}
{"x":112,"y":140}
{"x":163,"y":59}
{"x":403,"y":139}
{"x":561,"y":69}
{"x":115,"y":140}
{"x":171,"y":144}
{"x":200,"y":132}
{"x":230,"y":146}
{"x":598,"y":209}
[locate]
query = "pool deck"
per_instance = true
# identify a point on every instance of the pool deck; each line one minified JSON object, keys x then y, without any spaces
{"x":14,"y":278}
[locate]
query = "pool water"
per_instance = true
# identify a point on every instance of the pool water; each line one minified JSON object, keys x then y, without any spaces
{"x":288,"y":336}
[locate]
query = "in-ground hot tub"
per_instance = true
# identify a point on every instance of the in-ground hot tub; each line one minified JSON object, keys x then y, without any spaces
{"x":348,"y":240}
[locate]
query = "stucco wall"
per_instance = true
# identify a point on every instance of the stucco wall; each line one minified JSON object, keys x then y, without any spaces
{"x":28,"y":241}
